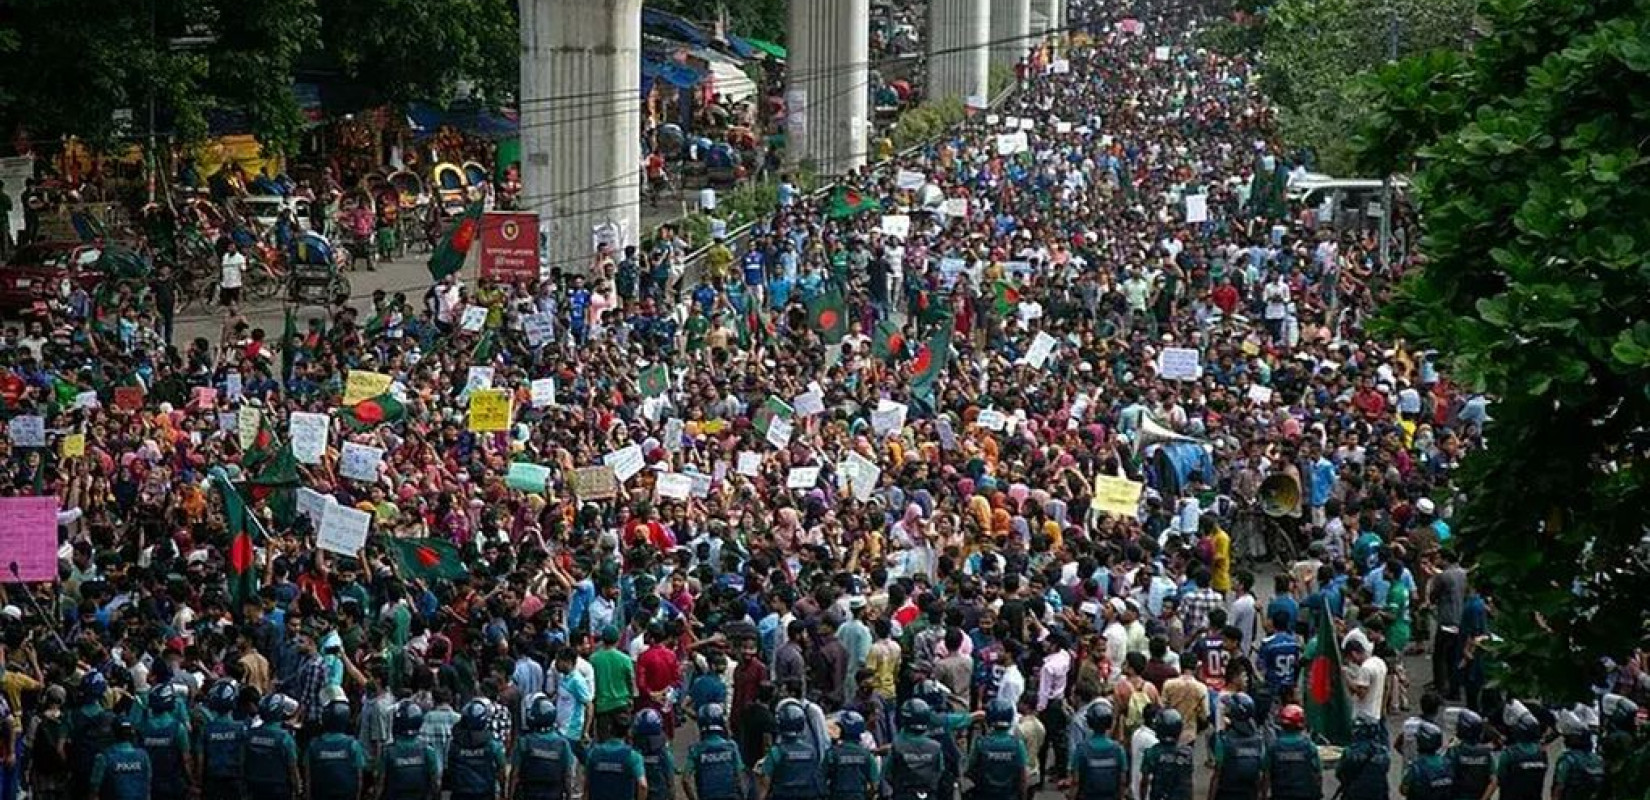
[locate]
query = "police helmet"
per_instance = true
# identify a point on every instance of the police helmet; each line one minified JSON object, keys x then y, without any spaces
{"x":274,"y":709}
{"x":475,"y":715}
{"x":408,"y":719}
{"x":999,"y":714}
{"x":335,"y":717}
{"x":162,"y":698}
{"x":713,"y":718}
{"x":123,"y":729}
{"x":934,"y":694}
{"x":1469,"y":727}
{"x":1239,"y":707}
{"x":1292,"y":718}
{"x":914,"y":715}
{"x":92,"y":687}
{"x":1622,"y":714}
{"x":541,"y":713}
{"x":1429,"y":738}
{"x":852,"y":726}
{"x":1098,"y":716}
{"x":1168,"y":726}
{"x":222,"y":696}
{"x":1368,"y":729}
{"x":1526,"y":728}
{"x":792,"y":719}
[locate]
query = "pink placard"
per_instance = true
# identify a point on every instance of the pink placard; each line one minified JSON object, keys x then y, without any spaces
{"x":28,"y":537}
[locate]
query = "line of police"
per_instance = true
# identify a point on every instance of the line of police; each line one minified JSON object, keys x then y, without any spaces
{"x":116,"y":758}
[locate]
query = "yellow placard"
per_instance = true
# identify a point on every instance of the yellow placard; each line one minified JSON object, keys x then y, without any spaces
{"x":1250,"y":348}
{"x":489,"y":410}
{"x":712,"y":427}
{"x":1119,"y":496}
{"x":363,"y":385}
{"x":74,"y":445}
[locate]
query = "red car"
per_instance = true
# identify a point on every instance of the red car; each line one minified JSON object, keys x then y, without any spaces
{"x":38,"y":270}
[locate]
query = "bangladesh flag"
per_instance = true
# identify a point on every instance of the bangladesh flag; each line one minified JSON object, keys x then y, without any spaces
{"x":373,"y":411}
{"x":1328,"y":707}
{"x":828,"y":316}
{"x":846,"y":202}
{"x":428,"y":560}
{"x":654,"y":380}
{"x":1007,"y":298}
{"x":771,"y":409}
{"x":289,"y":345}
{"x":243,"y":577}
{"x":888,"y":341}
{"x":930,"y":363}
{"x":753,"y":330}
{"x":486,"y":346}
{"x":449,"y":257}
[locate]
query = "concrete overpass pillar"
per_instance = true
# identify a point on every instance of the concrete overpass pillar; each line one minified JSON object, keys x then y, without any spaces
{"x":581,"y":120}
{"x":827,"y":85}
{"x":959,"y":63}
{"x":1010,"y":31}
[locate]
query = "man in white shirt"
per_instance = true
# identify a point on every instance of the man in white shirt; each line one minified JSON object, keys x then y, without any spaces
{"x":1366,"y":680}
{"x":231,"y":274}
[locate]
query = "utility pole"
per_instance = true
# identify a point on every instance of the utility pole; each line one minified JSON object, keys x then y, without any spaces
{"x":1386,"y":180}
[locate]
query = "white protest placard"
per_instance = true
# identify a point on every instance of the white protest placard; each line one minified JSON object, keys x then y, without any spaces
{"x":1027,"y":123}
{"x":625,"y":461}
{"x":1041,"y":348}
{"x":1060,"y":66}
{"x":1010,"y":143}
{"x":948,"y":437}
{"x":910,"y":179}
{"x":1260,"y":394}
{"x":233,"y":387}
{"x":992,"y":119}
{"x":889,"y":417}
{"x":1197,"y":208}
{"x":474,"y":318}
{"x":1062,"y":128}
{"x":313,"y":504}
{"x":954,"y":207}
{"x":1179,"y":364}
{"x":862,"y":474}
{"x":750,"y":464}
{"x":978,"y":102}
{"x":478,"y":378}
{"x":308,"y":433}
{"x":539,"y":329}
{"x":343,"y":530}
{"x":1011,"y":123}
{"x":28,"y":430}
{"x":809,"y":403}
{"x":896,"y":225}
{"x":701,"y":483}
{"x":674,"y":486}
{"x":992,"y":420}
{"x":544,"y":392}
{"x":247,"y":425}
{"x":1161,"y":53}
{"x":802,"y":478}
{"x":86,"y":400}
{"x":779,"y":433}
{"x":673,"y":434}
{"x":360,"y":461}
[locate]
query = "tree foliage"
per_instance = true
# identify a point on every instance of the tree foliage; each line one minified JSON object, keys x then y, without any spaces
{"x":760,"y":19}
{"x":421,"y":49}
{"x":1534,"y":189}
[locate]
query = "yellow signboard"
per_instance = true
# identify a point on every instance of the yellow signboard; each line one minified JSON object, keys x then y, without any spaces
{"x":489,"y":410}
{"x":1118,"y":496}
{"x":363,"y":385}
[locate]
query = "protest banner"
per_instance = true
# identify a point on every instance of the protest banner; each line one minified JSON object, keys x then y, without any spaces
{"x":490,"y":410}
{"x":28,"y":538}
{"x":343,"y":530}
{"x":361,"y":384}
{"x":595,"y":483}
{"x":1117,"y":496}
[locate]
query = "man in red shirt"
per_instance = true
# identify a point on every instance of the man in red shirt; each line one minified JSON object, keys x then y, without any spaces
{"x":1225,"y":297}
{"x":1368,"y":401}
{"x":657,"y":672}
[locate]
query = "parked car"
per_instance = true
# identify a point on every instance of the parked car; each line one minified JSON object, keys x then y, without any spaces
{"x":265,"y":209}
{"x":37,"y":270}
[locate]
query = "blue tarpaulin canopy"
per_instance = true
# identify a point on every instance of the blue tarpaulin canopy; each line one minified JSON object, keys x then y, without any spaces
{"x":677,"y":75}
{"x":673,"y":27}
{"x":426,"y":119}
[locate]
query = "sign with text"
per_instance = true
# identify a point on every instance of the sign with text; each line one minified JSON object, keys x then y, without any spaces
{"x":510,"y":247}
{"x":28,"y":537}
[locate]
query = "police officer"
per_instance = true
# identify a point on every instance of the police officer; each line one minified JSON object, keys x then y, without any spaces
{"x":715,"y":770}
{"x":407,"y":767}
{"x":1240,"y":753}
{"x":943,"y":725}
{"x":1166,"y":769}
{"x":1621,"y":722}
{"x":541,"y":768}
{"x":648,"y":735}
{"x":165,"y":738}
{"x":218,"y":748}
{"x":91,"y":729}
{"x":1428,"y":777}
{"x":1579,"y":774}
{"x":997,"y":761}
{"x":1469,"y":759}
{"x":914,"y":761}
{"x":850,"y":769}
{"x":475,"y":759}
{"x":270,"y":755}
{"x":1364,"y":763}
{"x":1521,"y":771}
{"x":334,"y":760}
{"x":612,"y":769}
{"x":1100,"y":764}
{"x":121,"y":771}
{"x":1293,"y":771}
{"x":791,"y":770}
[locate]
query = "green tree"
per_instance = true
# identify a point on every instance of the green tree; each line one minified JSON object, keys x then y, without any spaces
{"x":419,"y":50}
{"x":1534,"y":188}
{"x":760,"y":19}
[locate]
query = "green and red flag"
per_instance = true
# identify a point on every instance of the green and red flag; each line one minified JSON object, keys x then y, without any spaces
{"x":654,"y":380}
{"x":888,"y":341}
{"x":373,"y":411}
{"x":449,"y":257}
{"x":482,"y":354}
{"x":428,"y":560}
{"x":289,"y":346}
{"x":847,"y":202}
{"x":930,"y":363}
{"x":753,"y":330}
{"x":772,"y":408}
{"x":1006,"y":298}
{"x":1328,"y":706}
{"x":828,"y":316}
{"x":243,"y":577}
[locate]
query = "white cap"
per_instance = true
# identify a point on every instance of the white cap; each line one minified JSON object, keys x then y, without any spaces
{"x":1425,"y":506}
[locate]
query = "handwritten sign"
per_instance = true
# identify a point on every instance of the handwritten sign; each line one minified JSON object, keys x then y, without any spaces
{"x":779,"y":433}
{"x":889,"y":417}
{"x":701,"y":483}
{"x":228,"y":421}
{"x":205,"y":397}
{"x":896,"y":225}
{"x":750,"y":464}
{"x":28,"y":430}
{"x":1161,"y":53}
{"x":909,"y":179}
{"x":948,"y":437}
{"x":1179,"y":364}
{"x":544,"y":392}
{"x":360,"y":461}
{"x":1197,"y":208}
{"x":361,"y":384}
{"x":343,"y":529}
{"x":1041,"y":348}
{"x":992,"y":420}
{"x":86,"y":400}
{"x":490,"y":410}
{"x":809,"y":403}
{"x":802,"y":478}
{"x":1117,"y":496}
{"x":474,"y":318}
{"x":28,"y":536}
{"x":540,"y":329}
{"x":955,"y":207}
{"x":313,"y":504}
{"x":308,"y":433}
{"x":74,"y":445}
{"x":478,"y":378}
{"x":862,"y":474}
{"x":595,"y":483}
{"x":1011,"y":143}
{"x":233,"y":386}
{"x":1261,"y":395}
{"x":625,"y":461}
{"x":673,"y":486}
{"x":247,"y":425}
{"x":525,"y":477}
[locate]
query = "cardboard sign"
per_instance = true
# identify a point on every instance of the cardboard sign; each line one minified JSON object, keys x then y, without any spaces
{"x":343,"y":530}
{"x":802,"y":478}
{"x":474,"y":319}
{"x":129,"y":398}
{"x":360,"y":461}
{"x":889,"y":417}
{"x":308,"y":433}
{"x":750,"y":464}
{"x":28,"y":536}
{"x":1197,"y":208}
{"x":595,"y":483}
{"x":544,"y":392}
{"x":1041,"y":348}
{"x":1117,"y":496}
{"x":509,"y":246}
{"x":490,"y":410}
{"x":673,"y":486}
{"x":525,"y":477}
{"x":540,"y":329}
{"x":1179,"y":364}
{"x":625,"y":461}
{"x":28,"y":430}
{"x":361,"y":385}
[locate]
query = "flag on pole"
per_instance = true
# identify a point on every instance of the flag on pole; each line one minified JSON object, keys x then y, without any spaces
{"x":828,"y":316}
{"x":888,"y":341}
{"x":449,"y":257}
{"x":426,"y":559}
{"x":243,"y":578}
{"x":1006,"y":298}
{"x":846,"y":202}
{"x":1328,"y":706}
{"x":930,"y":363}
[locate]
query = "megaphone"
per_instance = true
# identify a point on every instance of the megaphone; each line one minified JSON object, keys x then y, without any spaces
{"x":1280,"y":495}
{"x":1151,"y":432}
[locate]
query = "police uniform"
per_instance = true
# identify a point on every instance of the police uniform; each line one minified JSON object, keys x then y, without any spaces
{"x":543,"y":763}
{"x":335,"y":763}
{"x":1521,"y":771}
{"x":1170,"y":766}
{"x":943,"y":731}
{"x":997,"y":765}
{"x":1363,"y":768}
{"x":1470,"y":767}
{"x":121,"y":772}
{"x":1428,"y":778}
{"x":1296,"y":773}
{"x":660,"y":767}
{"x":269,"y":755}
{"x":90,"y":733}
{"x":1099,"y":764}
{"x":474,"y":761}
{"x":219,"y":748}
{"x":166,"y":741}
{"x":1581,"y":774}
{"x":717,"y":769}
{"x":612,"y":769}
{"x":913,"y":765}
{"x":1241,"y":756}
{"x":794,"y":771}
{"x":409,"y":769}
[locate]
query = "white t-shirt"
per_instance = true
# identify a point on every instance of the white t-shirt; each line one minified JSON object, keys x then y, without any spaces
{"x":1371,"y":673}
{"x":233,"y":265}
